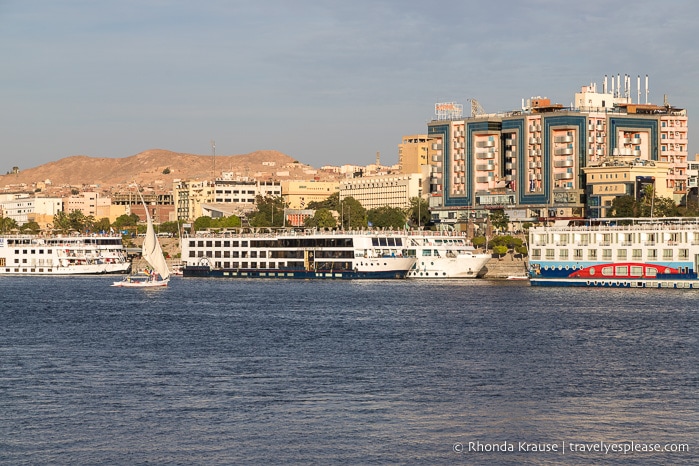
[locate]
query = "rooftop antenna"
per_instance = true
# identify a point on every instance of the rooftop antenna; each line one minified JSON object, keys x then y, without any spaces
{"x":646,"y":88}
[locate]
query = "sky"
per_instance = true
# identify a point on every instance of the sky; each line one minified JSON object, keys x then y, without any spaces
{"x":325,"y":82}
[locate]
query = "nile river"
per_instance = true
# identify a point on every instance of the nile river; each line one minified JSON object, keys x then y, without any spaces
{"x":322,"y":372}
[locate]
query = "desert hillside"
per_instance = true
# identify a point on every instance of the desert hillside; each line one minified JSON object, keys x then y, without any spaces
{"x":156,"y":166}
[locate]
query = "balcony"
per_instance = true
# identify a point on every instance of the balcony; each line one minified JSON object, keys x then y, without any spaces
{"x":563,"y":176}
{"x":563,"y":163}
{"x":564,"y":151}
{"x":563,"y":139}
{"x":485,"y":155}
{"x":485,"y":167}
{"x":482,"y":144}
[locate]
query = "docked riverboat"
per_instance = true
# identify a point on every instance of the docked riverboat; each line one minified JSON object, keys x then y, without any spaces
{"x":62,"y":255}
{"x":304,"y":254}
{"x":625,"y":253}
{"x":445,"y":255}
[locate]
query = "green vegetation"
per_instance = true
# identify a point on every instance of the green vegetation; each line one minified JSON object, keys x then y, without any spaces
{"x":649,"y":205}
{"x":203,"y":223}
{"x":419,"y":212}
{"x":323,"y":218}
{"x":269,"y":213}
{"x":387,"y":217}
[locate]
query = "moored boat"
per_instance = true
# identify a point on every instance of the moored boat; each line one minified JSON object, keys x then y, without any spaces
{"x":626,"y":253}
{"x":297,"y":254}
{"x":62,"y":255}
{"x":444,"y":256}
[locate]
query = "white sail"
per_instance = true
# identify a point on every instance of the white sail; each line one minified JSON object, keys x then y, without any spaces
{"x":151,"y":251}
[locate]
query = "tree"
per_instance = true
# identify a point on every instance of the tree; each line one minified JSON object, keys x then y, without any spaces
{"x":419,"y":212}
{"x":386,"y":217}
{"x":499,"y":219}
{"x":479,"y":241}
{"x":102,"y":225}
{"x":500,"y":250}
{"x":7,"y":224}
{"x":624,"y":206}
{"x":352,"y":214}
{"x":331,"y":203}
{"x":202,"y":223}
{"x":30,"y":227}
{"x":270,"y":212}
{"x":126,"y":221}
{"x":665,"y":207}
{"x":323,"y":218}
{"x":61,"y":222}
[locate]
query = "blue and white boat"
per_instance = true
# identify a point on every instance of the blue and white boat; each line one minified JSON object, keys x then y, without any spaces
{"x":620,"y":252}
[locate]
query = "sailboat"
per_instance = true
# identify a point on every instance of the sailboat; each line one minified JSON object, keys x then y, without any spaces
{"x":158,"y":274}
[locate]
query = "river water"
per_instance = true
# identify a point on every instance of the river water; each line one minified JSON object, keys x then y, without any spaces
{"x":326,"y":372}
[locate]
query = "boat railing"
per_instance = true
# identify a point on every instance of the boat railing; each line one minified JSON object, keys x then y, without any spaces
{"x":310,"y":232}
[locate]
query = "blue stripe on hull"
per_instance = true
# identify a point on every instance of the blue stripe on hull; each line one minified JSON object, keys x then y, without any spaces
{"x":663,"y":283}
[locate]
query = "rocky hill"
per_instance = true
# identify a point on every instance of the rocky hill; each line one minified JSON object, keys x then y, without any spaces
{"x":157,"y":167}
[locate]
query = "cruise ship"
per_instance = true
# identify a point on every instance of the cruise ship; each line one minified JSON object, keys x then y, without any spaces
{"x":297,"y":254}
{"x":629,"y":253}
{"x":62,"y":255}
{"x":444,"y":256}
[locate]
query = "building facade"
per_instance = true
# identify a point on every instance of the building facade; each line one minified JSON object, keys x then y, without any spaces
{"x":531,"y":162}
{"x":379,"y":191}
{"x":414,"y":153}
{"x":298,"y":194}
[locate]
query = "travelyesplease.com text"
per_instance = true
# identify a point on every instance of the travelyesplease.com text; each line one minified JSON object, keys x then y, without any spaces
{"x":564,"y":447}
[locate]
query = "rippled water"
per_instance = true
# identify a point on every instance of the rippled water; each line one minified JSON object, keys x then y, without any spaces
{"x":269,"y":372}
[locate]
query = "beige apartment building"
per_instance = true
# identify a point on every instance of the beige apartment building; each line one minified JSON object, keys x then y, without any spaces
{"x":414,"y":153}
{"x":298,"y":194}
{"x":379,"y":191}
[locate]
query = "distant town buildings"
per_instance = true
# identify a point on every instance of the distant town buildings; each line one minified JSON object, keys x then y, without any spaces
{"x":541,"y":161}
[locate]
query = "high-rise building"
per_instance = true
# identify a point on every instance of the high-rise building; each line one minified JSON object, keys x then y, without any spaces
{"x":532,"y":161}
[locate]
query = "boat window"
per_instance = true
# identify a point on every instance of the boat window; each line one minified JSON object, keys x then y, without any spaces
{"x":621,"y":254}
{"x":426,"y":252}
{"x":622,"y":270}
{"x":608,"y":271}
{"x":382,"y":242}
{"x":592,"y":254}
{"x":391,"y":241}
{"x":636,"y":271}
{"x":374,"y":241}
{"x":651,"y":272}
{"x":399,"y":242}
{"x":592,"y":271}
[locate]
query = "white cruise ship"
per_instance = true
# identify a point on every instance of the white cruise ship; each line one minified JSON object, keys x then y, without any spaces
{"x":631,"y":253}
{"x":307,"y":254}
{"x":444,"y":256}
{"x":62,"y":255}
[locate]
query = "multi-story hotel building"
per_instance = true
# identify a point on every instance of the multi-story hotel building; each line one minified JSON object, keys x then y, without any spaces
{"x":379,"y":191}
{"x":531,"y":162}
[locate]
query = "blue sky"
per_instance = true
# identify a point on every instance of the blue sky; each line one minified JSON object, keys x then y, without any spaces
{"x":326,"y":82}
